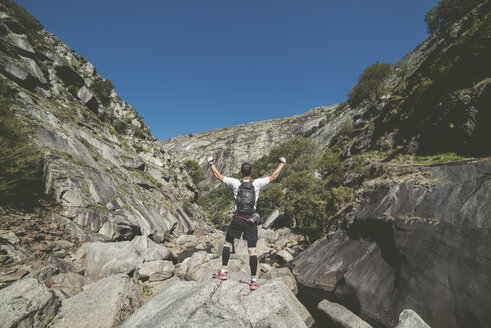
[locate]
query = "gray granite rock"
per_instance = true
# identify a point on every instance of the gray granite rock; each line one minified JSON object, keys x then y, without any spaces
{"x":71,"y":280}
{"x":107,"y":303}
{"x":27,"y":303}
{"x":285,"y":275}
{"x":391,"y":259}
{"x":410,"y":319}
{"x":341,"y":316}
{"x":104,"y":259}
{"x":222,"y":304}
{"x":285,"y":256}
{"x":155,"y":270}
{"x":234,"y":145}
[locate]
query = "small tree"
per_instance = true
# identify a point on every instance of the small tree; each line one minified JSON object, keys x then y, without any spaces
{"x":331,"y":168}
{"x":448,"y":12}
{"x":194,"y":171}
{"x":370,"y":83}
{"x":20,"y":161}
{"x":102,"y":89}
{"x":25,"y":18}
{"x":271,"y":197}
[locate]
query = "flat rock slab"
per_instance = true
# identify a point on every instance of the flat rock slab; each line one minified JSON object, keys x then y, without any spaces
{"x":215,"y":303}
{"x":341,"y":316}
{"x":107,"y":303}
{"x":27,"y":303}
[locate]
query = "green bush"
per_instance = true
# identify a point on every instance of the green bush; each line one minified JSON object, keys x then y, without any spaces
{"x":140,"y":133}
{"x":25,"y":18}
{"x":340,"y":197}
{"x":308,"y":210}
{"x":21,"y":161}
{"x":194,"y":170}
{"x":331,"y":168}
{"x":346,"y":126}
{"x":270,"y":198}
{"x":102,"y":89}
{"x":216,"y":203}
{"x":370,"y":84}
{"x":448,"y":12}
{"x":120,"y":126}
{"x":138,"y":148}
{"x":300,"y":153}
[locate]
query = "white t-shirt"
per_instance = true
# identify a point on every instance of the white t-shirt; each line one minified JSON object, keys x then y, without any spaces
{"x":235,"y":184}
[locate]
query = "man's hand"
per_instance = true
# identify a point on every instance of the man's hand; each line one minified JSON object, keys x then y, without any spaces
{"x":282,"y":160}
{"x":210,"y":160}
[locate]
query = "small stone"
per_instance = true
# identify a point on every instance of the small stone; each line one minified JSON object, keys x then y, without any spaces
{"x":285,"y":256}
{"x":49,"y":282}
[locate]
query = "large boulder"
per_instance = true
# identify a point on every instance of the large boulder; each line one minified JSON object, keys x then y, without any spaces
{"x":201,"y":265}
{"x":410,"y":319}
{"x":27,"y":303}
{"x":285,"y":275}
{"x":155,"y":270}
{"x":104,"y":259}
{"x":341,"y":316}
{"x":107,"y":303}
{"x":214,"y":303}
{"x":410,"y":242}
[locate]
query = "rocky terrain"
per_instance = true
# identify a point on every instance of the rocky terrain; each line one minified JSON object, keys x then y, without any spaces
{"x":234,"y":145}
{"x":101,"y":164}
{"x":416,"y":229}
{"x":118,"y":239}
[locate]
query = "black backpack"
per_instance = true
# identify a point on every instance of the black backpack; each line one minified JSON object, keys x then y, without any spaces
{"x":246,"y":197}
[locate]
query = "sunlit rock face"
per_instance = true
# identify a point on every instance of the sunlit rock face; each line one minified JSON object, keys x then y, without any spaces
{"x":102,"y":166}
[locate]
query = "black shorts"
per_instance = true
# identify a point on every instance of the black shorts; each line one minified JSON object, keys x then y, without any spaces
{"x":240,"y":226}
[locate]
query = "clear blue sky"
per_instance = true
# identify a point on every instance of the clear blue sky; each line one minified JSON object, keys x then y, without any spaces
{"x":189,"y":66}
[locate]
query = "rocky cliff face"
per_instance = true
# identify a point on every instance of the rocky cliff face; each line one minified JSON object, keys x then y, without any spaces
{"x":409,"y":241}
{"x":102,"y":166}
{"x":243,"y":143}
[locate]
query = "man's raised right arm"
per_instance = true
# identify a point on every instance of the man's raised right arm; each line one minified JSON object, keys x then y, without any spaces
{"x":214,"y":169}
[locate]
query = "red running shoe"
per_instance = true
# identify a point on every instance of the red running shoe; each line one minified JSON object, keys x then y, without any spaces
{"x":253,"y":285}
{"x":221,"y":275}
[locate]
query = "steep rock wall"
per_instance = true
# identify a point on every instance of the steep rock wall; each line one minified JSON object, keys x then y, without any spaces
{"x":101,"y":164}
{"x":243,"y":143}
{"x":421,"y":244}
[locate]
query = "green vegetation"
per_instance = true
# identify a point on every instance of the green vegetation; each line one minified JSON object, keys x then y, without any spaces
{"x":448,"y":12}
{"x":138,"y":148}
{"x":120,"y":126}
{"x":346,"y":126}
{"x":140,"y":133}
{"x":217,"y":203}
{"x":99,"y":208}
{"x":271,"y":198}
{"x":194,"y":170}
{"x":308,"y":191}
{"x":21,"y":161}
{"x":314,"y":129}
{"x":370,"y":84}
{"x":25,"y":18}
{"x":433,"y":159}
{"x":102,"y":89}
